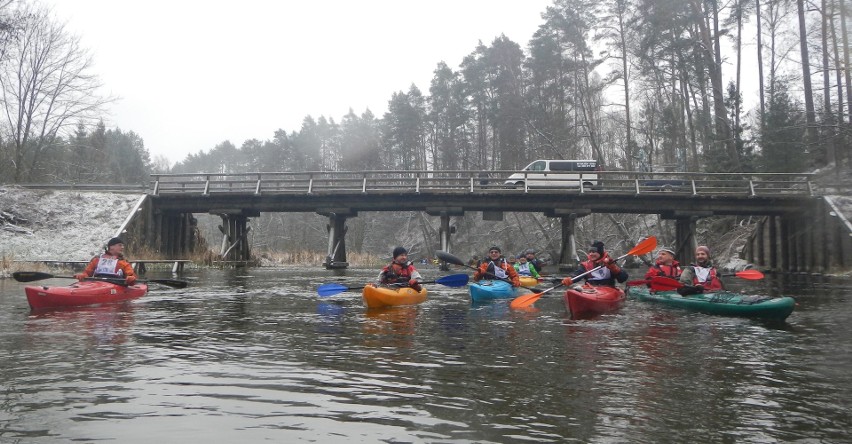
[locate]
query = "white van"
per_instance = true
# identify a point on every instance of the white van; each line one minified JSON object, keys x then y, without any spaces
{"x":556,"y":174}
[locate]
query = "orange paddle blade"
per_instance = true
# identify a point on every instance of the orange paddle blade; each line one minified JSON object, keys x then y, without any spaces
{"x":749,"y":274}
{"x":525,"y":300}
{"x":644,"y":247}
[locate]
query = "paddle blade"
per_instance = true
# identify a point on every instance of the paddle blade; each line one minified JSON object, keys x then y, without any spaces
{"x":749,"y":274}
{"x":30,"y":276}
{"x":663,"y":283}
{"x":453,"y":280}
{"x":331,"y":289}
{"x":644,"y":247}
{"x":449,"y":258}
{"x":174,"y":283}
{"x":525,"y":300}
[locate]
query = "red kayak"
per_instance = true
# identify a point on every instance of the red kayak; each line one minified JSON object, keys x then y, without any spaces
{"x":590,"y":300}
{"x":82,"y":293}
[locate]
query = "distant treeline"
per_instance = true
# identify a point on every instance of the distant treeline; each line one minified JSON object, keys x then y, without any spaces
{"x":634,"y":84}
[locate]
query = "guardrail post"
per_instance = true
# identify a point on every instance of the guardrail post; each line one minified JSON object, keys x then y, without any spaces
{"x":157,"y":187}
{"x":206,"y":187}
{"x":364,"y":184}
{"x":636,"y":184}
{"x":751,"y":188}
{"x":310,"y":184}
{"x":471,"y":184}
{"x":417,"y":184}
{"x":694,"y":189}
{"x":257,"y":187}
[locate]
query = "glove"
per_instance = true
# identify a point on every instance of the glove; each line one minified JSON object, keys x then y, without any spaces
{"x":687,"y":290}
{"x":614,"y":268}
{"x":477,"y":276}
{"x":80,"y":276}
{"x":415,"y":285}
{"x":607,"y":260}
{"x":130,"y":280}
{"x":567,"y":282}
{"x":516,"y":282}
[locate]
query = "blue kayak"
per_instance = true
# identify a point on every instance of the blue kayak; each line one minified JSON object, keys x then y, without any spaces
{"x":487,"y":290}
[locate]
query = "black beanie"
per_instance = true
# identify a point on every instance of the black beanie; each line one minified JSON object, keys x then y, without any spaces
{"x":114,"y":241}
{"x":599,"y":246}
{"x":399,"y":250}
{"x":495,"y":248}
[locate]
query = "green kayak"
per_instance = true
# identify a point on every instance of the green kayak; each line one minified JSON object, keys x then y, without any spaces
{"x":720,"y":303}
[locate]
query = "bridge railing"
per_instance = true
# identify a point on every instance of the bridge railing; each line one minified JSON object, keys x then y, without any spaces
{"x":463,"y":181}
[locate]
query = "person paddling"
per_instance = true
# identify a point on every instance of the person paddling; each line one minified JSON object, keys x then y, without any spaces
{"x":606,"y":275}
{"x":110,"y":264}
{"x":496,"y":266}
{"x":665,"y":265}
{"x":400,"y":271}
{"x":700,"y":276}
{"x":525,"y":268}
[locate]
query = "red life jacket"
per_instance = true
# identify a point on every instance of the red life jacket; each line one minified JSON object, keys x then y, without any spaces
{"x":672,"y":271}
{"x":394,"y":272}
{"x":713,"y":283}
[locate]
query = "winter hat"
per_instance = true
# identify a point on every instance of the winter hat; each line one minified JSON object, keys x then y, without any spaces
{"x":399,"y":250}
{"x":704,"y":249}
{"x":114,"y":241}
{"x":667,"y":250}
{"x":495,"y":248}
{"x":597,"y":246}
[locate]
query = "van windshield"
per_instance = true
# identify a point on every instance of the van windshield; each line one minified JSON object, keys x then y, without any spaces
{"x":538,"y":165}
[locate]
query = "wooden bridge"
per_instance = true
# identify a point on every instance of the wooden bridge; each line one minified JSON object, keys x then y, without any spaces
{"x":788,"y":202}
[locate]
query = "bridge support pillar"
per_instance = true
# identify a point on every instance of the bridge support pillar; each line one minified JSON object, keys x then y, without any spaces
{"x":336,"y":257}
{"x":568,"y":259}
{"x":235,"y":246}
{"x":685,"y":239}
{"x":174,"y":233}
{"x":446,"y":231}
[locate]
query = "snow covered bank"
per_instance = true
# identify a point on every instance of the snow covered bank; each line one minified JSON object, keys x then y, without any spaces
{"x":59,"y":225}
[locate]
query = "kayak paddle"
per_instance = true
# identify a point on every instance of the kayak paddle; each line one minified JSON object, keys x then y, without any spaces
{"x":646,"y":246}
{"x":30,"y":276}
{"x":453,"y":280}
{"x":664,"y":283}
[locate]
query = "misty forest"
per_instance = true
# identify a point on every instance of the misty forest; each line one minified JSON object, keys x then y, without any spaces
{"x":638,"y":85}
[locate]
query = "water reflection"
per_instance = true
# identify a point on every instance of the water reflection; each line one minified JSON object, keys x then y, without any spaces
{"x":257,"y":355}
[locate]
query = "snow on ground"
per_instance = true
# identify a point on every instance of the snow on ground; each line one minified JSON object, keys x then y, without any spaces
{"x":59,"y":225}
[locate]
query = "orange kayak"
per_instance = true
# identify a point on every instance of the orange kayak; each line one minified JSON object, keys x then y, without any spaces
{"x":82,"y":293}
{"x":388,"y":296}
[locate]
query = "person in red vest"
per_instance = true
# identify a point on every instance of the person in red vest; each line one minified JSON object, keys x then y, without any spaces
{"x":606,"y":275}
{"x":400,"y":271}
{"x":665,"y":265}
{"x":496,"y":266}
{"x":700,"y":276}
{"x":110,"y":264}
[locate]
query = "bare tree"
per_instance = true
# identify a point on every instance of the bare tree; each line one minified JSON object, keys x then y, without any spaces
{"x":46,"y":88}
{"x":806,"y":76}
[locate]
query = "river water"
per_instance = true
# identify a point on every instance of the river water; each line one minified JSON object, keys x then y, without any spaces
{"x":256,"y":354}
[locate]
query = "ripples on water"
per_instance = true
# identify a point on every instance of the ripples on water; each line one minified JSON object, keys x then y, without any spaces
{"x":251,"y":355}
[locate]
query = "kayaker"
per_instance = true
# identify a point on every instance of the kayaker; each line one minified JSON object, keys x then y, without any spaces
{"x":110,"y":264}
{"x":525,"y":268}
{"x":496,"y":266}
{"x":535,"y":262}
{"x":666,"y":265}
{"x":400,"y":270}
{"x":700,"y":276}
{"x":607,"y":275}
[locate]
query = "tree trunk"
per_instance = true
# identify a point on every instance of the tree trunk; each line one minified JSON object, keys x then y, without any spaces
{"x":760,"y":65}
{"x":828,"y":119}
{"x":806,"y":79}
{"x":846,"y":57}
{"x":712,"y":52}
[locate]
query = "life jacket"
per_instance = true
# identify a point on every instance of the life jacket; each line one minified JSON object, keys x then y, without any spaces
{"x":394,"y":272}
{"x":108,"y":266}
{"x":497,"y":269}
{"x":707,"y":277}
{"x":672,"y":271}
{"x":524,"y":269}
{"x":598,"y":275}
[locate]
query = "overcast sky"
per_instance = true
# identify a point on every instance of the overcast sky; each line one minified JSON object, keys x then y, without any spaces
{"x":191,"y":74}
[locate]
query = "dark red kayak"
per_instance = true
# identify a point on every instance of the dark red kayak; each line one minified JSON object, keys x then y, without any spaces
{"x":589,"y":300}
{"x":82,"y":293}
